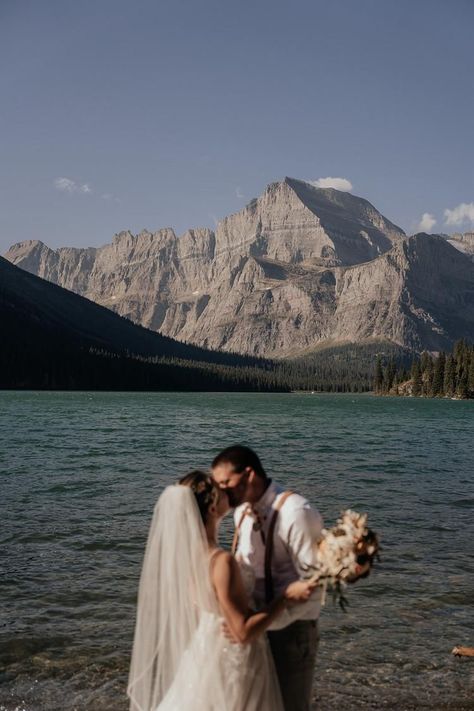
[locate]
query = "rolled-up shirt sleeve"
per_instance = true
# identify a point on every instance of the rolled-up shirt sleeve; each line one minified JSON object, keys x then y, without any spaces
{"x":301,"y":531}
{"x":302,"y":537}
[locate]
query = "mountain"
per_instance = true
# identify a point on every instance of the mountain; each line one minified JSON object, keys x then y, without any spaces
{"x":420,"y":294}
{"x":55,"y":339}
{"x":52,"y":337}
{"x":297,"y":269}
{"x":463,"y":242}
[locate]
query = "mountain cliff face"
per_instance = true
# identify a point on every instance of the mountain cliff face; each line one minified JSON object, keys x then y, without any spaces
{"x":294,"y":222}
{"x":463,"y":242}
{"x":420,"y":294}
{"x":297,"y":268}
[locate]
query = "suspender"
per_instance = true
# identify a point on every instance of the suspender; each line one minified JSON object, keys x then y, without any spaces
{"x":235,"y":540}
{"x":269,"y":591}
{"x":269,"y":588}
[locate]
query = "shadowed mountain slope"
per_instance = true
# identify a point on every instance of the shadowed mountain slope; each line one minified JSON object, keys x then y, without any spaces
{"x":54,"y":338}
{"x":77,"y":318}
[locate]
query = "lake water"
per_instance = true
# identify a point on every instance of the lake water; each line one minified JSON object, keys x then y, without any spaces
{"x":80,"y":473}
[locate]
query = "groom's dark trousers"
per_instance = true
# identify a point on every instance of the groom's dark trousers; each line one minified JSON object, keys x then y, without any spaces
{"x":294,"y":653}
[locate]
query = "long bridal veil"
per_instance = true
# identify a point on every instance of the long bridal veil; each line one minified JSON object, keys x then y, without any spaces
{"x":174,"y":592}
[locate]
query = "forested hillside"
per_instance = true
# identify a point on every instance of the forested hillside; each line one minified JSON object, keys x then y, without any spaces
{"x":446,"y":375}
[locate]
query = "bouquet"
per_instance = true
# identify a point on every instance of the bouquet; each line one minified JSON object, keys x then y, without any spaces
{"x":345,"y":554}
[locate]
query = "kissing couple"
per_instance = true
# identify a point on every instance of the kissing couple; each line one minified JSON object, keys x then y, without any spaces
{"x":221,"y":630}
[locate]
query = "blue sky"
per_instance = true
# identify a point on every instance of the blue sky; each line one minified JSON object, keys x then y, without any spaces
{"x":121,"y":114}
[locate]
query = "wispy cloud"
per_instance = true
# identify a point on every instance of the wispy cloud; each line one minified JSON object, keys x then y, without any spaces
{"x":66,"y":185}
{"x":427,"y":222}
{"x":459,"y":214}
{"x":341,"y":184}
{"x":109,"y":197}
{"x":239,"y":193}
{"x":214,"y":219}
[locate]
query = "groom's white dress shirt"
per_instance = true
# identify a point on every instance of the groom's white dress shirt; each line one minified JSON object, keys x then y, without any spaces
{"x":298,"y":528}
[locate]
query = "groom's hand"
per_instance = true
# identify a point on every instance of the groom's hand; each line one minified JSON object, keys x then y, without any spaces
{"x":300,"y":590}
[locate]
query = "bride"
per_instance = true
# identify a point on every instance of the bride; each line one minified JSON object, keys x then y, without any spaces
{"x":181,"y":660}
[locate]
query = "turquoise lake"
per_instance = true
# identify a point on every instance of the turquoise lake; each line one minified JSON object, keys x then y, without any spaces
{"x":80,"y":473}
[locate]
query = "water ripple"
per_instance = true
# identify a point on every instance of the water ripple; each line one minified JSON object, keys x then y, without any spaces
{"x":80,"y":473}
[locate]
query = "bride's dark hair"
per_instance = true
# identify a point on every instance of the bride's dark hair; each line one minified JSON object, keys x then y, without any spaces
{"x":204,"y":488}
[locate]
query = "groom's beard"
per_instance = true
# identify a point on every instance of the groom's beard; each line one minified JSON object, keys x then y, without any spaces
{"x":238,"y":494}
{"x":234,"y":498}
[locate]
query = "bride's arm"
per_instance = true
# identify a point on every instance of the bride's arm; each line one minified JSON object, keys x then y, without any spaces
{"x":245,"y":624}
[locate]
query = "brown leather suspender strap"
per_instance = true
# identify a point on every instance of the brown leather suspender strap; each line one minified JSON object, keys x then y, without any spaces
{"x":235,"y":540}
{"x":269,"y":589}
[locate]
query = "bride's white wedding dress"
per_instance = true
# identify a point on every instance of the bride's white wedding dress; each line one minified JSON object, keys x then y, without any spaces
{"x":216,"y":675}
{"x":181,"y":660}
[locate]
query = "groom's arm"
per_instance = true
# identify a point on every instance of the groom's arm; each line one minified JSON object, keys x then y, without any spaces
{"x":300,"y":529}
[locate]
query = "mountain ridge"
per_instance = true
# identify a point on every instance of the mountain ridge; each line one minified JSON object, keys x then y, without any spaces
{"x":297,"y":267}
{"x":54,"y":339}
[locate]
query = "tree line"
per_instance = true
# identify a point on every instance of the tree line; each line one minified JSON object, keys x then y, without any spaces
{"x":45,"y":359}
{"x":445,"y":375}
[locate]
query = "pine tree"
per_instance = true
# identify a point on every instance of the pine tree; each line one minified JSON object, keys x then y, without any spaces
{"x":416,"y":378}
{"x":438,"y":376}
{"x":463,"y":389}
{"x":459,"y":351}
{"x":378,"y":382}
{"x":449,"y":385}
{"x":428,"y":376}
{"x":389,"y":375}
{"x":471,"y":373}
{"x":425,"y":359}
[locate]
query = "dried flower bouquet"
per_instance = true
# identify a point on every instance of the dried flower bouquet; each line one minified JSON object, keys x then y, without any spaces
{"x":345,"y":554}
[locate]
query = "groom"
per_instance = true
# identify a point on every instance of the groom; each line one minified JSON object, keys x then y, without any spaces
{"x":275,"y":532}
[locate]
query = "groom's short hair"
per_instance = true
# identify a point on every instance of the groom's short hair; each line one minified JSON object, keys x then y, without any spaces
{"x":240,"y":457}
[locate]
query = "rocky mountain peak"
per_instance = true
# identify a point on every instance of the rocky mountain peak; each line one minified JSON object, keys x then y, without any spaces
{"x":295,"y":222}
{"x":27,"y":247}
{"x":31,"y":254}
{"x":297,"y":267}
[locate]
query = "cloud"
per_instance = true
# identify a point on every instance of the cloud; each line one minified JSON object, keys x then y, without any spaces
{"x":426,"y":223}
{"x":66,"y":185}
{"x":239,"y":193}
{"x":341,"y":184}
{"x":109,"y":196}
{"x":459,"y":214}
